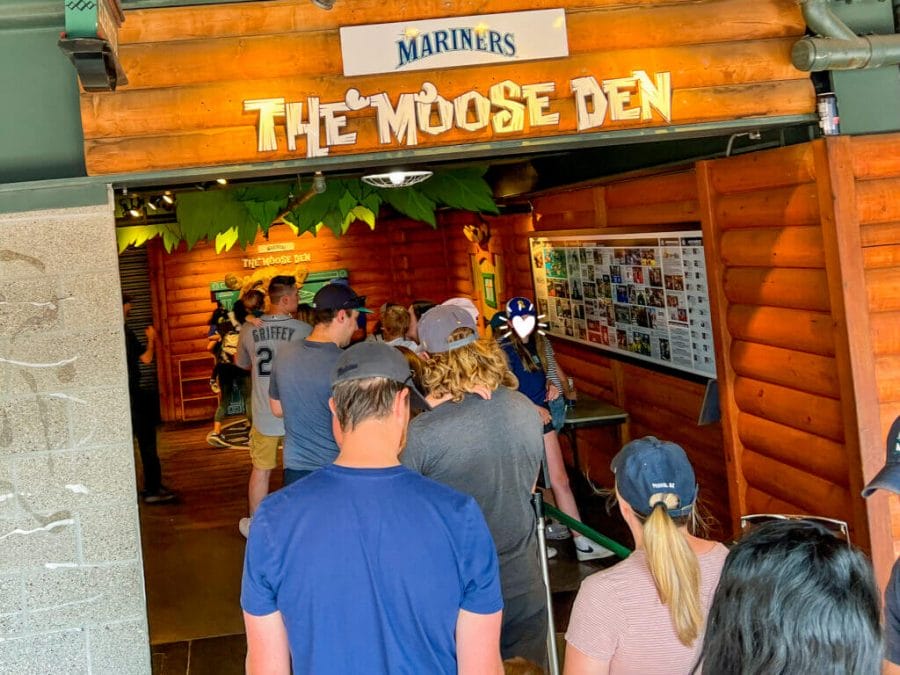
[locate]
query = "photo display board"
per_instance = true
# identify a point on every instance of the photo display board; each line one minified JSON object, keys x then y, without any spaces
{"x":641,"y":295}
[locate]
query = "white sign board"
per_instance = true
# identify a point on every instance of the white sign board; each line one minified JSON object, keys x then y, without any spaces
{"x":459,"y":41}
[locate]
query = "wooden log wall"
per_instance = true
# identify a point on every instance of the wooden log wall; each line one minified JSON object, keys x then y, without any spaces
{"x":398,"y":261}
{"x":658,"y":403}
{"x":781,"y":269}
{"x":870,"y":165}
{"x":190,"y":69}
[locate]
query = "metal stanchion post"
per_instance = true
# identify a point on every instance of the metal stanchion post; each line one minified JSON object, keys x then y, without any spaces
{"x":537,"y":501}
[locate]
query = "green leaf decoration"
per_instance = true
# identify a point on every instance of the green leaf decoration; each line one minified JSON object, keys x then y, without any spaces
{"x":237,"y":214}
{"x":225,"y":240}
{"x":172,"y":236}
{"x":372,"y":202}
{"x":359,"y":213}
{"x":334,"y":220}
{"x":203,"y":215}
{"x":463,"y":189}
{"x":263,"y":213}
{"x":268,"y":192}
{"x":347,"y":203}
{"x":312,"y":212}
{"x":411,"y":203}
{"x":136,"y":235}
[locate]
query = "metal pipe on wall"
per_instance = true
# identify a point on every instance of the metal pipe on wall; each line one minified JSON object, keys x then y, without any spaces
{"x":840,"y":48}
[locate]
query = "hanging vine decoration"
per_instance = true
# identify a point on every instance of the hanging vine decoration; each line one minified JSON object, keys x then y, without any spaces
{"x":236,"y":215}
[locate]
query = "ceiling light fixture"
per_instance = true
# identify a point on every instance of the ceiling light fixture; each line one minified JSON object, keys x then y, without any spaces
{"x":222,"y":181}
{"x":168,"y":198}
{"x":396,"y":179}
{"x":135,"y":207}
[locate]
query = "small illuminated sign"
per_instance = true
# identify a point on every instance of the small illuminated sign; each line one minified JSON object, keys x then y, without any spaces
{"x":457,"y":41}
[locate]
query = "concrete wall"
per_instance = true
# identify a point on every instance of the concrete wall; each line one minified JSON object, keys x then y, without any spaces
{"x":71,"y":583}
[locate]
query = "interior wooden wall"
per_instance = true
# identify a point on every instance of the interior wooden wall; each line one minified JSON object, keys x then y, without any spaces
{"x":873,"y":162}
{"x":658,"y":403}
{"x":399,"y":260}
{"x":777,"y":266}
{"x":190,"y":69}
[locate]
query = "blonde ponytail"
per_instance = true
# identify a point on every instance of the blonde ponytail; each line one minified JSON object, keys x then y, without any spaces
{"x":674,"y":568}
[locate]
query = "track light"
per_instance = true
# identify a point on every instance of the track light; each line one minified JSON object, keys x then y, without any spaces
{"x":153,"y":204}
{"x":168,"y":198}
{"x":135,"y":207}
{"x":323,"y":4}
{"x":222,"y":181}
{"x":318,"y":183}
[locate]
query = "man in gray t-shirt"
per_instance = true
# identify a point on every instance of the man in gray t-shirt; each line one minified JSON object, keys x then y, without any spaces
{"x":257,"y":347}
{"x":300,"y":385}
{"x":490,"y":449}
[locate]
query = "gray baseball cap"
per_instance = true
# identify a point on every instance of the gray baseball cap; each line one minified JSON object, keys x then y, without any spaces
{"x":437,"y":325}
{"x":376,"y":359}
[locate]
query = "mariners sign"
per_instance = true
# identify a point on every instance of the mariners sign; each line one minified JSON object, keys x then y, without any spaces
{"x":459,"y":41}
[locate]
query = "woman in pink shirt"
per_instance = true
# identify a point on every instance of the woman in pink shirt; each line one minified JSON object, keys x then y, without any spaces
{"x":646,"y":614}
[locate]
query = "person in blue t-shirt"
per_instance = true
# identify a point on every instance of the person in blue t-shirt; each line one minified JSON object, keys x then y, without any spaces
{"x":365,"y":565}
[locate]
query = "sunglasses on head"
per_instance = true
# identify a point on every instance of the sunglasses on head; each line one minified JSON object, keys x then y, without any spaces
{"x":838,"y":528}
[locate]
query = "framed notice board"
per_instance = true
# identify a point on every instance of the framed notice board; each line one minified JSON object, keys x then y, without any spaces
{"x":640,"y":295}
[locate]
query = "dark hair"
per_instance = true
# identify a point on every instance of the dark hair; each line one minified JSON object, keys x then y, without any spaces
{"x":520,"y":347}
{"x":324,"y":316}
{"x":240,"y":308}
{"x":280,"y":286}
{"x":358,"y":400}
{"x":419,"y":307}
{"x":305,"y":312}
{"x":793,"y":598}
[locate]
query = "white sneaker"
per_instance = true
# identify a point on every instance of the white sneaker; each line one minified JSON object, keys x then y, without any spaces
{"x":585,"y":549}
{"x":551,"y":553}
{"x":244,"y":527}
{"x":556,"y":531}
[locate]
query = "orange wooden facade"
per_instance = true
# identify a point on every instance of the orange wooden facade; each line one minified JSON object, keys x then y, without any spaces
{"x":190,"y":69}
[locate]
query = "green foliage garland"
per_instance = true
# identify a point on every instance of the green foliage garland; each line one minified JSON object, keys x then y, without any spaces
{"x":236,"y":215}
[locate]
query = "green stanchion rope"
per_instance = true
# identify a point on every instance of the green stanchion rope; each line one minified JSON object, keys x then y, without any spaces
{"x":614,"y":546}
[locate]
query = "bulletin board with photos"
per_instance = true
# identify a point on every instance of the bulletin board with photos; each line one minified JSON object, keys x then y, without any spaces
{"x":642,"y":295}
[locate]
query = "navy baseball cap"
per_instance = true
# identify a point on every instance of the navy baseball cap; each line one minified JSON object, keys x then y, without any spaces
{"x":377,"y":359}
{"x":437,"y":325}
{"x":889,"y":476}
{"x":339,"y":296}
{"x":648,"y":466}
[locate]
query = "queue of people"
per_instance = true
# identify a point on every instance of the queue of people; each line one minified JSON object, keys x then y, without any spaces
{"x":404,"y":539}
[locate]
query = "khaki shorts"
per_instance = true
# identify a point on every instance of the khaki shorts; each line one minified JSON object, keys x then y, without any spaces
{"x":263,"y":450}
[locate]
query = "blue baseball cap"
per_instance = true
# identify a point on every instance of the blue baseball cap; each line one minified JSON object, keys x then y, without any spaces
{"x":648,"y":466}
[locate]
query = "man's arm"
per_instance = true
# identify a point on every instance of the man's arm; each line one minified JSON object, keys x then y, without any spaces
{"x":275,"y":406}
{"x":478,"y":643}
{"x":147,"y":356}
{"x":268,"y":652}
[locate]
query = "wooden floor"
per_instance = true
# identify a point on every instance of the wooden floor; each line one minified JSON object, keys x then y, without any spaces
{"x":193,"y":554}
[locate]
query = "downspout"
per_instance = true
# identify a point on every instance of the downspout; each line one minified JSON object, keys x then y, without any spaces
{"x":840,"y":48}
